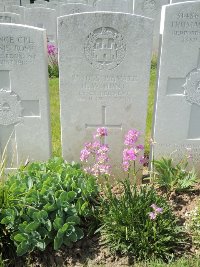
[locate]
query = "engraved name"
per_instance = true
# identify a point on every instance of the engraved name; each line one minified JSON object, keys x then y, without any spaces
{"x":16,"y":50}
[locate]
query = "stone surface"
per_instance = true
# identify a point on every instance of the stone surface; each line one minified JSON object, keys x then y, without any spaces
{"x":8,"y":17}
{"x":24,"y":103}
{"x":151,"y":9}
{"x":20,"y":10}
{"x":43,"y":18}
{"x":104,"y":62}
{"x":67,"y":9}
{"x":25,"y":2}
{"x":178,"y":1}
{"x":177,"y":111}
{"x":2,"y":7}
{"x":113,"y":5}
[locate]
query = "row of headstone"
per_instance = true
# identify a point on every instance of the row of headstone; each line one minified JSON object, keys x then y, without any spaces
{"x":104,"y":77}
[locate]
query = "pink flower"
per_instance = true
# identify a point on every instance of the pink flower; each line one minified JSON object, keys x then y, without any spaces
{"x":152,"y":215}
{"x":101,"y":132}
{"x":125,"y":165}
{"x":156,"y":211}
{"x":52,"y":49}
{"x":132,"y":137}
{"x":84,"y":155}
{"x":129,"y":155}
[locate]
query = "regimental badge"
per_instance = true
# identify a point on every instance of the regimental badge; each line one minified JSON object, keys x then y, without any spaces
{"x":10,"y":108}
{"x":105,"y":48}
{"x":192,"y":87}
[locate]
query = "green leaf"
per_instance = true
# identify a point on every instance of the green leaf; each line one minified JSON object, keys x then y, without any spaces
{"x":58,"y":223}
{"x":48,"y":225}
{"x":41,"y":245}
{"x":31,"y":227}
{"x":22,"y":248}
{"x":73,"y":237}
{"x":79,"y":233}
{"x":73,"y":219}
{"x":20,"y":237}
{"x":58,"y":242}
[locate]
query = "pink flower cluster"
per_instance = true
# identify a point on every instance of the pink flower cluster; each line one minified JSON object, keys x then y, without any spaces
{"x":98,"y":152}
{"x":52,"y":49}
{"x":132,"y":152}
{"x":156,"y":211}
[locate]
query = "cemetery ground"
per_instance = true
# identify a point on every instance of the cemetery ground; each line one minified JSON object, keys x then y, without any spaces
{"x":169,"y":212}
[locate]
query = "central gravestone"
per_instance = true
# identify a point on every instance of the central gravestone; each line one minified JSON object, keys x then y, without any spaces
{"x":104,"y":61}
{"x":114,"y":6}
{"x":24,"y":104}
{"x":177,"y":110}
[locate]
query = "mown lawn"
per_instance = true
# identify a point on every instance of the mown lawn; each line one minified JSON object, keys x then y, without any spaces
{"x":55,"y":111}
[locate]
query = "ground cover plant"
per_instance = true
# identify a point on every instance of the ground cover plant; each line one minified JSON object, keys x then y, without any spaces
{"x":47,"y":203}
{"x":174,"y":176}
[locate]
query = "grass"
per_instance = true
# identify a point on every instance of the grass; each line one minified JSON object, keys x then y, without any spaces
{"x":55,"y":111}
{"x":55,"y":116}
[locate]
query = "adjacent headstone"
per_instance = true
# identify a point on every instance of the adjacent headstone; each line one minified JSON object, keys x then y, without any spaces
{"x":17,"y":10}
{"x":74,"y":8}
{"x":43,"y":18}
{"x":113,"y":5}
{"x":24,"y":102}
{"x":178,"y":1}
{"x":151,"y":9}
{"x":177,"y":110}
{"x":8,"y":17}
{"x":104,"y":61}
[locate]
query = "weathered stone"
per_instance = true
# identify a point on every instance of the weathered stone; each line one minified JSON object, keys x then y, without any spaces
{"x":104,"y":76}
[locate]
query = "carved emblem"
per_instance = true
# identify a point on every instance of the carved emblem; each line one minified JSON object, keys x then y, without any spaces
{"x":10,"y":108}
{"x":192,"y":87}
{"x":105,"y":48}
{"x":75,"y":10}
{"x":149,"y":4}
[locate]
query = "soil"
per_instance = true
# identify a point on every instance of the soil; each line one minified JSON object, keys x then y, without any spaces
{"x":89,"y":251}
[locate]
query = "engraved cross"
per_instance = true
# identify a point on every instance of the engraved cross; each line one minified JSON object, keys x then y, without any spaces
{"x":104,"y":122}
{"x":12,"y":112}
{"x":189,"y":88}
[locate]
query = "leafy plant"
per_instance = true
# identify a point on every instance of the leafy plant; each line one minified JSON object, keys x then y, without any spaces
{"x":48,"y":203}
{"x":174,"y":176}
{"x":139,"y":222}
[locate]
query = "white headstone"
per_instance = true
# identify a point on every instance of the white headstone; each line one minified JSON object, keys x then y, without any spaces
{"x":20,"y":10}
{"x":178,"y":1}
{"x":74,"y":8}
{"x":25,"y":2}
{"x":2,"y":7}
{"x":177,"y":110}
{"x":151,"y":9}
{"x":113,"y":5}
{"x":8,"y":17}
{"x":43,"y":18}
{"x":104,"y":63}
{"x":24,"y":103}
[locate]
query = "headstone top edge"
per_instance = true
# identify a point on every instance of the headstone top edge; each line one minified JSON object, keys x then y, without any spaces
{"x":105,"y":12}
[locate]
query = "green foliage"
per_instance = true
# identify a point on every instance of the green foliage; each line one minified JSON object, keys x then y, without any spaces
{"x":174,"y":176}
{"x":53,"y":71}
{"x":126,"y":226}
{"x":193,"y":226}
{"x":48,"y":203}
